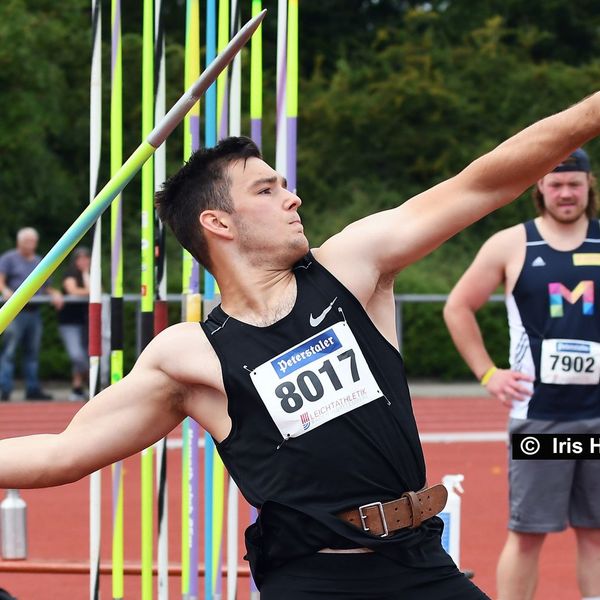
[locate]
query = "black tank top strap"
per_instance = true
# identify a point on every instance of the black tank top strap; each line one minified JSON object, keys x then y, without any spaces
{"x":215,"y":321}
{"x":531,"y":230}
{"x":593,"y":232}
{"x":304,"y":263}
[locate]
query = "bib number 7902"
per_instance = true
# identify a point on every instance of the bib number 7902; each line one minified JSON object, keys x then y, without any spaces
{"x":566,"y":363}
{"x":570,"y":362}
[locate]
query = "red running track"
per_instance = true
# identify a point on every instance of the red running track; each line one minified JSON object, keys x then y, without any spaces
{"x":58,"y":517}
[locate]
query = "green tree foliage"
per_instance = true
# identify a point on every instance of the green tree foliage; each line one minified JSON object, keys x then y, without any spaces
{"x":43,"y":100}
{"x":417,"y":105}
{"x":394,"y":97}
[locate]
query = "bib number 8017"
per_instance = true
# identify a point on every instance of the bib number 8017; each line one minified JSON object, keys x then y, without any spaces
{"x":310,"y":386}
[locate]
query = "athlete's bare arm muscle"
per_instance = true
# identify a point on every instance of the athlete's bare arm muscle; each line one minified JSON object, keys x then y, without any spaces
{"x":378,"y":247}
{"x":174,"y":377}
{"x":498,"y":262}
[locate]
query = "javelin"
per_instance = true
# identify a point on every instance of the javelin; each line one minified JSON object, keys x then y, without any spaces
{"x":124,"y":175}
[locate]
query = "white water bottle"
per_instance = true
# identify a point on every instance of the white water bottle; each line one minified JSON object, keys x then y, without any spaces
{"x":451,"y":516}
{"x":13,"y":526}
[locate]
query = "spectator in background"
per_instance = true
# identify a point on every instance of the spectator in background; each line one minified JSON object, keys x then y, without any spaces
{"x":73,"y":319}
{"x":26,"y":328}
{"x":550,"y":270}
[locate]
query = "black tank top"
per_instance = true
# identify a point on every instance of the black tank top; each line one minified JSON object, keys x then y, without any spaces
{"x":322,"y":422}
{"x":555,"y":328}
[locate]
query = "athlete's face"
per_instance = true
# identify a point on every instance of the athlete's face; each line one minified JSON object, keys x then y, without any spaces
{"x":565,"y":195}
{"x":265,"y":213}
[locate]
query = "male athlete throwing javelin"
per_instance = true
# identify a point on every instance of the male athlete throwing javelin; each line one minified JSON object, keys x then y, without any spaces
{"x":297,"y":374}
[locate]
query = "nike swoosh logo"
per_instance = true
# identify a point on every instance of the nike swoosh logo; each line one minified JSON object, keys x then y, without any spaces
{"x":315,"y":321}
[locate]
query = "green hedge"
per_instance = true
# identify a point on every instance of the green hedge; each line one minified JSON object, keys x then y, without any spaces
{"x":428,"y":350}
{"x":54,"y":362}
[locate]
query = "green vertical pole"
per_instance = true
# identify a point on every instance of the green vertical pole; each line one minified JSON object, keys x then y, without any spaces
{"x":116,"y":301}
{"x":191,"y":307}
{"x":256,"y":80}
{"x":292,"y":93}
{"x":147,"y":285}
{"x":256,"y":110}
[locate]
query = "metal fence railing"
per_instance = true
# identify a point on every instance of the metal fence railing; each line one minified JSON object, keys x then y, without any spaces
{"x":400,"y":300}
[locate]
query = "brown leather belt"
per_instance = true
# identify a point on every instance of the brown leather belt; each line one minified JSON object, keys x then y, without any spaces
{"x":382,"y":518}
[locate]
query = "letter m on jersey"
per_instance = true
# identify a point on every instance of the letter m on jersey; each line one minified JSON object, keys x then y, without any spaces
{"x":558,"y":293}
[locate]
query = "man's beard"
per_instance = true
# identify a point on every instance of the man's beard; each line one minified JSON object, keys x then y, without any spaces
{"x":259,"y":250}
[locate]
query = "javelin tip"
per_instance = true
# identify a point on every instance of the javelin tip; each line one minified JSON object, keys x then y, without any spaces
{"x":184,"y":104}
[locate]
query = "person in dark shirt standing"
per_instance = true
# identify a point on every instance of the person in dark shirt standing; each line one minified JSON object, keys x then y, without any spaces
{"x":550,"y":270}
{"x":26,"y":328}
{"x":73,"y":319}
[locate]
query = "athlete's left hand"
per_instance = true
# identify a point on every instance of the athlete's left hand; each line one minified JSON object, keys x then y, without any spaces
{"x":506,"y":385}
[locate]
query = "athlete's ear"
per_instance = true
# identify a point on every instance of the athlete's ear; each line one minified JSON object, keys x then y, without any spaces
{"x":217,"y":222}
{"x":539,"y":184}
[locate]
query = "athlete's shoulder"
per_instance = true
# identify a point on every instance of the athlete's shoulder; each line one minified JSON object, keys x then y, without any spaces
{"x":184,"y":336}
{"x":506,"y":241}
{"x":176,"y":342}
{"x":510,"y":233}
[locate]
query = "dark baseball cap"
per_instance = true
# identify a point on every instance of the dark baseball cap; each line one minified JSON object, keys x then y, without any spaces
{"x":577,"y":161}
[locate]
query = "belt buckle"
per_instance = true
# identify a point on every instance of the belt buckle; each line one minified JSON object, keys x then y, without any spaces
{"x":363,"y":517}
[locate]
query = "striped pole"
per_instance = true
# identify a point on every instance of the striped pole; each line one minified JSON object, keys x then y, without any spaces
{"x":254,"y":593}
{"x":116,"y":302}
{"x":256,"y":80}
{"x":256,"y":109}
{"x":292,"y":93}
{"x":95,"y":304}
{"x":210,"y":127}
{"x":215,"y":471}
{"x":218,"y":469}
{"x":232,"y":539}
{"x":209,"y":451}
{"x":235,"y":128}
{"x":160,"y":305}
{"x":147,"y":288}
{"x":222,"y":80}
{"x":116,"y":184}
{"x":191,"y":305}
{"x":280,"y":125}
{"x":210,"y":133}
{"x":161,"y":318}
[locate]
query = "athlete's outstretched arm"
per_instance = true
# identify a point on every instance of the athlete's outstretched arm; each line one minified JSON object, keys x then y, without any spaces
{"x":120,"y":421}
{"x":386,"y":242}
{"x":472,"y":291}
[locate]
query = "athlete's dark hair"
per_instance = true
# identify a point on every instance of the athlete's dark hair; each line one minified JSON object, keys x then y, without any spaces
{"x":591,"y":210}
{"x":201,"y":184}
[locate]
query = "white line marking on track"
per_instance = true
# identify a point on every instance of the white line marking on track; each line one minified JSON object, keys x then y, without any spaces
{"x":441,"y":437}
{"x":464,"y":436}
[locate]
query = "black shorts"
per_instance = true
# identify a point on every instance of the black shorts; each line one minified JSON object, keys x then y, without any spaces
{"x":364,"y":577}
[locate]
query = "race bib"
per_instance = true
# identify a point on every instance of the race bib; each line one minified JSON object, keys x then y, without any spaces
{"x":570,"y":362}
{"x":316,"y":381}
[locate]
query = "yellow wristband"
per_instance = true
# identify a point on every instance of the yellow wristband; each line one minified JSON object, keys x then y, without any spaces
{"x":488,"y":375}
